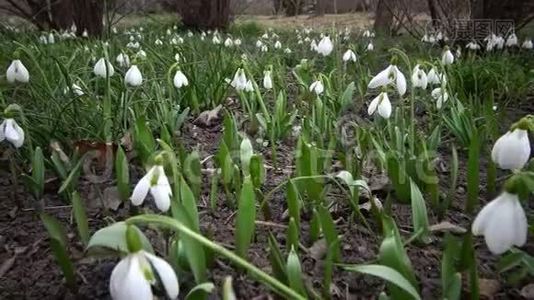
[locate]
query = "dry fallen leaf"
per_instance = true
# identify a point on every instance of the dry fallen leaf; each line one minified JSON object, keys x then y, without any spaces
{"x":527,"y":291}
{"x":447,"y":227}
{"x":488,"y":287}
{"x":318,"y":250}
{"x":206,"y":117}
{"x":111,"y":198}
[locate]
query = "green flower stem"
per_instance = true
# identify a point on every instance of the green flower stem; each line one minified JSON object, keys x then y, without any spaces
{"x":178,"y":226}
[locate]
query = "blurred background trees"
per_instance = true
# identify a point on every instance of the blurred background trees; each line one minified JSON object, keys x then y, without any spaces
{"x":390,"y":16}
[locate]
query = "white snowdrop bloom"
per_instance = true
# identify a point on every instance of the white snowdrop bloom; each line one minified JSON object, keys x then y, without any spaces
{"x":114,"y":30}
{"x":308,"y":40}
{"x":313,"y":46}
{"x":349,"y":55}
{"x":190,"y":33}
{"x":133,"y":76}
{"x":527,"y":44}
{"x":133,"y":45}
{"x":158,"y":42}
{"x":434,"y":77}
{"x":473,"y":46}
{"x":237,"y":42}
{"x":177,"y":57}
{"x":439,"y":36}
{"x":264,"y":48}
{"x":43,"y":39}
{"x":180,"y":80}
{"x":141,"y":54}
{"x":503,"y":223}
{"x":300,"y":42}
{"x":499,"y":42}
{"x":317,"y":87}
{"x":325,"y":46}
{"x":277,"y":45}
{"x":85,"y":33}
{"x":249,"y":87}
{"x":215,"y":40}
{"x":265,"y":36}
{"x":123,"y":60}
{"x":370,"y":47}
{"x":287,"y":51}
{"x":77,"y":90}
{"x":432,"y":39}
{"x":133,"y":276}
{"x":381,"y":104}
{"x":389,"y":76}
{"x":17,"y":72}
{"x":368,"y":34}
{"x":228,"y":42}
{"x":267,"y":80}
{"x":11,"y":131}
{"x":51,"y":38}
{"x":447,"y":58}
{"x":512,"y":150}
{"x":101,"y":70}
{"x":419,"y":78}
{"x":168,"y":32}
{"x":441,"y":96}
{"x":259,"y":43}
{"x":424,"y":39}
{"x":157,"y":183}
{"x":240,"y":80}
{"x":511,"y":41}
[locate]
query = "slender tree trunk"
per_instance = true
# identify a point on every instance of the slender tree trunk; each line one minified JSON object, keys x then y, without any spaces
{"x":205,"y":14}
{"x":89,"y":16}
{"x":383,"y":16}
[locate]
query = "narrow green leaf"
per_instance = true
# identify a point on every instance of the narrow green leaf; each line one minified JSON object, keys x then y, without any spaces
{"x":80,"y":217}
{"x":246,"y":216}
{"x":473,"y":175}
{"x":293,"y":201}
{"x":329,"y":230}
{"x":275,"y":257}
{"x":113,"y":239}
{"x":144,"y":142}
{"x":201,"y":291}
{"x":419,"y":213}
{"x":123,"y":174}
{"x":72,"y":179}
{"x":246,"y":152}
{"x":388,"y":274}
{"x":292,"y":234}
{"x":228,"y":289}
{"x":192,"y":171}
{"x":38,"y":172}
{"x":257,"y":170}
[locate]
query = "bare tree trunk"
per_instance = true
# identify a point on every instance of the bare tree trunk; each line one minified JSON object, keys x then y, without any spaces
{"x":89,"y":16}
{"x":320,"y":7}
{"x":383,"y":16}
{"x":205,"y":14}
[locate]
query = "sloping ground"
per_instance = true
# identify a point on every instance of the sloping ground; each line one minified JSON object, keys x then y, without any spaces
{"x":354,"y":20}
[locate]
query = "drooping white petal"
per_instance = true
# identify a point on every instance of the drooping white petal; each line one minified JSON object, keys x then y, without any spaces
{"x":267,"y":80}
{"x":161,"y":191}
{"x":141,"y":189}
{"x":400,"y":81}
{"x":17,"y":72}
{"x":447,"y":58}
{"x":502,"y":222}
{"x":512,"y":150}
{"x":180,"y":79}
{"x":128,"y":281}
{"x":317,"y":87}
{"x":373,"y":105}
{"x":103,"y":67}
{"x":133,"y":76}
{"x":381,"y":79}
{"x":384,"y":108}
{"x":166,"y":274}
{"x":13,"y":133}
{"x":325,"y":46}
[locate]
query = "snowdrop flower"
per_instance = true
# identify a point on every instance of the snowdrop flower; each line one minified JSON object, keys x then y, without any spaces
{"x":123,"y":60}
{"x":158,"y":42}
{"x":51,"y":38}
{"x":265,"y":36}
{"x":499,"y":42}
{"x":313,"y":45}
{"x":237,"y":42}
{"x":447,"y":58}
{"x":419,"y":79}
{"x":240,"y":80}
{"x":434,"y":77}
{"x":307,"y":40}
{"x":17,"y":72}
{"x":259,"y":44}
{"x":134,"y":274}
{"x":473,"y":46}
{"x":249,"y":87}
{"x":267,"y":80}
{"x":381,"y":104}
{"x":440,"y":95}
{"x":349,"y":56}
{"x":527,"y":44}
{"x":133,"y":45}
{"x":228,"y":42}
{"x":133,"y":76}
{"x":390,"y":75}
{"x":264,"y":48}
{"x":141,"y":54}
{"x":368,"y":34}
{"x":511,"y":41}
{"x":157,"y":183}
{"x":317,"y":87}
{"x":11,"y":131}
{"x":77,"y":90}
{"x":287,"y":51}
{"x":503,"y":223}
{"x":215,"y":40}
{"x":85,"y":33}
{"x":100,"y":68}
{"x":277,"y":45}
{"x":512,"y":150}
{"x":180,"y":80}
{"x":325,"y":46}
{"x":370,"y":47}
{"x":43,"y":40}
